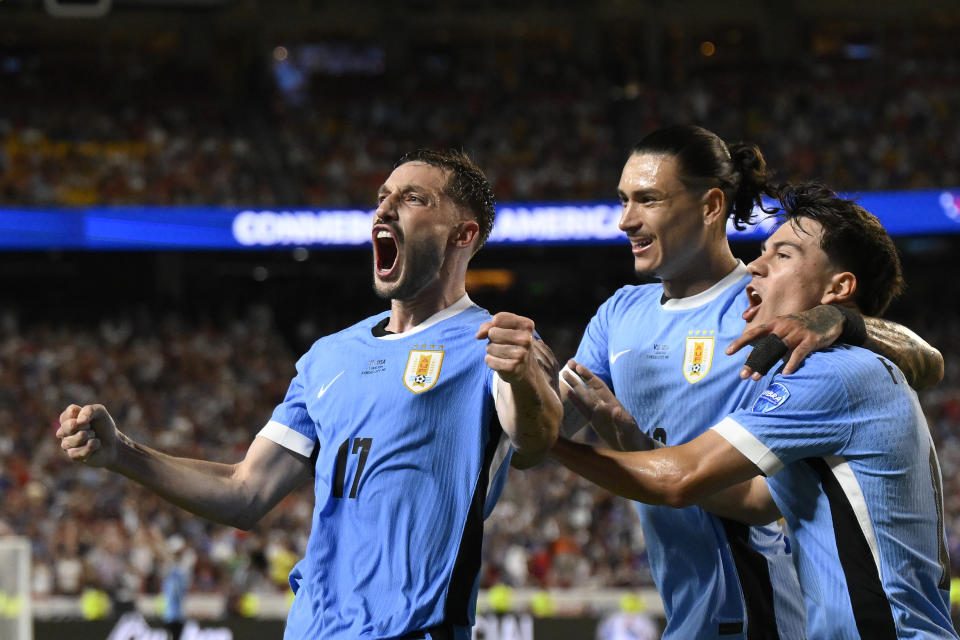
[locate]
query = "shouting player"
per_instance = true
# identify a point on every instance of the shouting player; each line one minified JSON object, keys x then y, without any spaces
{"x":403,"y":421}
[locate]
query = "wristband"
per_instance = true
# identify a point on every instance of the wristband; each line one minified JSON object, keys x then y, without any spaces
{"x":766,"y":353}
{"x":854,"y":328}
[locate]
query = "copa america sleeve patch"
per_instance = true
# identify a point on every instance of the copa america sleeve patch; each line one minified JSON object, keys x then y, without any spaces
{"x":775,"y":395}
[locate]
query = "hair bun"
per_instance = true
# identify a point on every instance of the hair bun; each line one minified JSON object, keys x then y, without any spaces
{"x":749,"y":162}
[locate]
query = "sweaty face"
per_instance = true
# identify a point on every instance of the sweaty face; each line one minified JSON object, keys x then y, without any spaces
{"x":411,"y":228}
{"x":661,"y":217}
{"x":792,"y":274}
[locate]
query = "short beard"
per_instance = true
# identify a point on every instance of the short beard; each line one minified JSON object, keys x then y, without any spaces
{"x":422,"y":265}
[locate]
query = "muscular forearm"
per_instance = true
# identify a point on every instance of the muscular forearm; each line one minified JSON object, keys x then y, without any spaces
{"x":214,"y":491}
{"x":920,"y":363}
{"x":674,"y":476}
{"x":626,"y":474}
{"x":622,"y":437}
{"x":536,"y":413}
{"x":527,"y":400}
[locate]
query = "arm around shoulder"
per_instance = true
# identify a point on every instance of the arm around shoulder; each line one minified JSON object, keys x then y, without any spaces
{"x":921,"y":363}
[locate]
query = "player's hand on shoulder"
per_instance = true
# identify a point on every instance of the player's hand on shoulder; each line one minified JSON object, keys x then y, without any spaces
{"x":88,"y":434}
{"x":802,"y":333}
{"x":510,"y":345}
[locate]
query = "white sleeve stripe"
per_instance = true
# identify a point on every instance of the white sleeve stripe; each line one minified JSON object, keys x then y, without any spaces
{"x":748,"y":444}
{"x":288,"y":438}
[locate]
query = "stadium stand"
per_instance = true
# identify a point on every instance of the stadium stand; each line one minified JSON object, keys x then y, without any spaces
{"x":196,"y":367}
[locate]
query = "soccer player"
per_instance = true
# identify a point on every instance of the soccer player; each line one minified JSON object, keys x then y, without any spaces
{"x":656,"y":346}
{"x":844,"y":445}
{"x":404,"y":420}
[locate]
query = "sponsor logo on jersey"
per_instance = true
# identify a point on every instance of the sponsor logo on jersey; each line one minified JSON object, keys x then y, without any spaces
{"x":775,"y":395}
{"x":698,"y":357}
{"x":422,"y":370}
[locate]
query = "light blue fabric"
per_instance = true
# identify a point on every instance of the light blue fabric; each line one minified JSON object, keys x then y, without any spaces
{"x":407,"y":431}
{"x":853,"y":470}
{"x":666,"y":364}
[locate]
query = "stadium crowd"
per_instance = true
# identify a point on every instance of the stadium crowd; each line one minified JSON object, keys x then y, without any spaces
{"x":531,"y":117}
{"x":204,"y":389}
{"x":546,"y":127}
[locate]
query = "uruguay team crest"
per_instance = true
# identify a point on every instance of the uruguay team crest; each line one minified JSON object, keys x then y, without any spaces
{"x":423,"y":369}
{"x":697,"y":358}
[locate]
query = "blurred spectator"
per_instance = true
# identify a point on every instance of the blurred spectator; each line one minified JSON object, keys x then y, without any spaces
{"x":175,"y":585}
{"x":551,"y":122}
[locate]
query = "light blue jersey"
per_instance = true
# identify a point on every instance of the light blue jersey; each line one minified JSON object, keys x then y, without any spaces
{"x":852,"y":466}
{"x":410,"y":458}
{"x":665,"y":362}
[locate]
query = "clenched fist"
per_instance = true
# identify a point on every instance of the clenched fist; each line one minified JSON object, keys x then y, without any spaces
{"x":88,"y":434}
{"x":510,"y":350}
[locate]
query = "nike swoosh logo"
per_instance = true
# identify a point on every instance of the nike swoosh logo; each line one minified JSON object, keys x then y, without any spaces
{"x":324,"y":388}
{"x":613,"y":357}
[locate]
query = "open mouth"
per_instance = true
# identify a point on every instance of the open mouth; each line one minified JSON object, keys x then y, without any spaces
{"x":639,"y":243}
{"x":386,"y":251}
{"x":755,"y":300}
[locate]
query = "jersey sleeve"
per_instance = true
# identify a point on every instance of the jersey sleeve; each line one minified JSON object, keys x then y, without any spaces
{"x":804,"y":415}
{"x":500,"y":465}
{"x":291,"y":426}
{"x":593,"y":350}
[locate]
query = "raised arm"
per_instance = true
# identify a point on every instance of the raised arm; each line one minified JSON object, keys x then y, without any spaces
{"x":527,"y":401}
{"x":821,"y":326}
{"x":233,"y":494}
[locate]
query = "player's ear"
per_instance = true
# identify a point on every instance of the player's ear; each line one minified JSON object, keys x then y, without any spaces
{"x":464,"y":233}
{"x":840,"y":288}
{"x":714,"y":206}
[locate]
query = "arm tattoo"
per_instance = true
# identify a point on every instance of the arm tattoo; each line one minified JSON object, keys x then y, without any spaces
{"x":820,"y":320}
{"x":921,"y":364}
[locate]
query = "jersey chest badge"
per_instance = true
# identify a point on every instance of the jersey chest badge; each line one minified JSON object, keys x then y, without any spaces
{"x":697,"y":357}
{"x":422,"y":370}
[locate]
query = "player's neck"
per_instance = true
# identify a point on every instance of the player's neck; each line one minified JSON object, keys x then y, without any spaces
{"x":700,"y":274}
{"x":407,"y":314}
